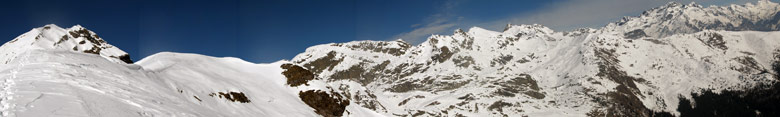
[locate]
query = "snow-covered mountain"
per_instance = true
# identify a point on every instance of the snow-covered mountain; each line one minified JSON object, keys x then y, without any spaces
{"x":639,"y":66}
{"x":51,"y":37}
{"x":674,"y":18}
{"x":51,"y":71}
{"x":673,"y":60}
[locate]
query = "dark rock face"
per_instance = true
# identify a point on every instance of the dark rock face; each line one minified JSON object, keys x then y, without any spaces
{"x":86,"y":34}
{"x":98,"y":44}
{"x":463,"y":61}
{"x":296,"y":75}
{"x":635,"y":34}
{"x":776,"y":64}
{"x":443,"y":56}
{"x":760,"y":101}
{"x":523,"y":83}
{"x":363,"y":76}
{"x":354,"y":73}
{"x":749,"y":65}
{"x":624,"y":101}
{"x":62,"y":39}
{"x":327,"y":62}
{"x":96,"y":41}
{"x":499,"y":106}
{"x":776,"y":67}
{"x":714,"y":40}
{"x":126,"y":58}
{"x":431,"y":84}
{"x":381,"y":47}
{"x":323,"y":103}
{"x":501,"y":60}
{"x":405,"y":87}
{"x":93,"y":50}
{"x":231,"y":96}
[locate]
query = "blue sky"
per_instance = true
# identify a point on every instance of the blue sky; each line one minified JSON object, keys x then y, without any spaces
{"x":271,"y":30}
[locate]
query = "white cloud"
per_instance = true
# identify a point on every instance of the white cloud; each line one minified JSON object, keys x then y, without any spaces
{"x":420,"y":34}
{"x":435,"y":24}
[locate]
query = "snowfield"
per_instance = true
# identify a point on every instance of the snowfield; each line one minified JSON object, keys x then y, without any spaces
{"x":63,"y":82}
{"x":657,"y":64}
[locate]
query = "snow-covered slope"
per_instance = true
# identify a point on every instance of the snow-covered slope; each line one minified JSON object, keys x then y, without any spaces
{"x":673,"y":60}
{"x":42,"y":77}
{"x":52,"y":37}
{"x":640,"y":66}
{"x":486,"y":73}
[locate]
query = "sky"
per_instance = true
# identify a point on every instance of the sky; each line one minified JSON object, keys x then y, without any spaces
{"x":264,"y":31}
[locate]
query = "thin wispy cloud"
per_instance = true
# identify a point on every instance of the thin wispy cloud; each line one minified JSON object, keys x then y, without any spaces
{"x":419,"y":35}
{"x":434,"y":24}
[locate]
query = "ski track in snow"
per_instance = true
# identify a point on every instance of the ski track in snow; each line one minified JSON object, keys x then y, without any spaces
{"x":8,"y":84}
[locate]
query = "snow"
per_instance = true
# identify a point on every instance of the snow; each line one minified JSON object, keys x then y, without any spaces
{"x":53,"y":37}
{"x":673,"y":58}
{"x":67,"y":83}
{"x":46,"y":71}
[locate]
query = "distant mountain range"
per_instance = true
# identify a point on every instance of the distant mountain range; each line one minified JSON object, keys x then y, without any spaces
{"x":672,"y":60}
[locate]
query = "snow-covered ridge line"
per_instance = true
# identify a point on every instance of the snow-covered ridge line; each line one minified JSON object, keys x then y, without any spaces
{"x":74,"y":83}
{"x":672,"y":18}
{"x":53,"y":37}
{"x":524,"y":70}
{"x":641,"y":67}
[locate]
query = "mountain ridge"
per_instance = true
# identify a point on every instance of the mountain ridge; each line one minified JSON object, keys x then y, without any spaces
{"x":76,"y":38}
{"x":452,"y":63}
{"x":523,"y":70}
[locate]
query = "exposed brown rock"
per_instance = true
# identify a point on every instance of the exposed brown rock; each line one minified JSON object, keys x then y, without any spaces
{"x":296,"y":75}
{"x":327,"y":62}
{"x":323,"y":103}
{"x":624,"y":101}
{"x":231,"y":96}
{"x":714,"y":40}
{"x":444,"y":54}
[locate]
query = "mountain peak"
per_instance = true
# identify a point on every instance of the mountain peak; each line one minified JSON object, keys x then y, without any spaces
{"x":51,"y":26}
{"x":54,"y":38}
{"x":671,"y":4}
{"x":77,"y":26}
{"x":527,"y":27}
{"x":693,"y":4}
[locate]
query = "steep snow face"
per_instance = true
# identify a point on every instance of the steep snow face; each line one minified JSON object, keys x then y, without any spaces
{"x":675,"y":18}
{"x":532,"y":70}
{"x":66,"y":83}
{"x":52,"y":37}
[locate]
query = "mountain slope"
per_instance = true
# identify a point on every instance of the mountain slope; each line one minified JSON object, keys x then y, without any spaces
{"x":533,"y":70}
{"x":44,"y":80}
{"x":674,"y":60}
{"x":52,"y":37}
